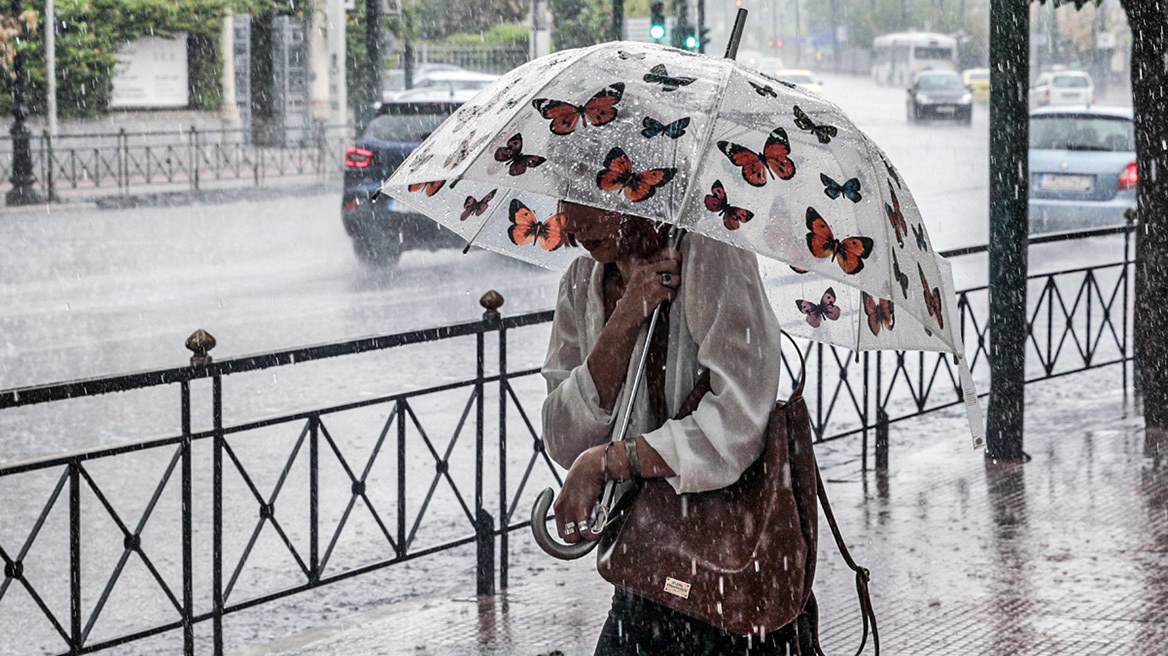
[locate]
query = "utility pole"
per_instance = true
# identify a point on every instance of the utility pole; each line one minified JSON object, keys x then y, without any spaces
{"x":374,"y":62}
{"x":22,"y":192}
{"x":1009,"y":225}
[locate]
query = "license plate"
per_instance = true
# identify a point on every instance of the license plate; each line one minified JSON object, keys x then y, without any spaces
{"x":1061,"y":182}
{"x":946,"y":109}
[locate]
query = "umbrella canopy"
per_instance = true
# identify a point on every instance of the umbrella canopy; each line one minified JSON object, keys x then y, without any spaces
{"x":707,"y":145}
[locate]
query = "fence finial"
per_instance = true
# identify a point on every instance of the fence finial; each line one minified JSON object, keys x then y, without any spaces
{"x":200,"y":343}
{"x":492,"y":301}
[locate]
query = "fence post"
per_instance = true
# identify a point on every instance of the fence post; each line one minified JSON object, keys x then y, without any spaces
{"x":123,"y":167}
{"x":314,"y":499}
{"x":188,"y":577}
{"x":881,"y":438}
{"x":491,"y":302}
{"x":50,"y":179}
{"x":75,"y":555}
{"x":194,"y":159}
{"x":484,"y":523}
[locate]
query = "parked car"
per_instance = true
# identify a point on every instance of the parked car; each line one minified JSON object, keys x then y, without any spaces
{"x":801,"y":77}
{"x":381,"y":231}
{"x":394,"y":81}
{"x":1082,"y":167}
{"x":978,"y":81}
{"x":1062,"y":88}
{"x":769,"y":65}
{"x":939,"y":94}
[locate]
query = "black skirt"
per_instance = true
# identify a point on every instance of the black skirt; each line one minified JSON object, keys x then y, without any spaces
{"x":637,"y":626}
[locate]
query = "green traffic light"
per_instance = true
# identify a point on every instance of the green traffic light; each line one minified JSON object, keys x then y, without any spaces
{"x":657,"y":31}
{"x":691,"y":42}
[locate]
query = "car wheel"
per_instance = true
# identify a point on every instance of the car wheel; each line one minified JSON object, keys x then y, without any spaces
{"x":374,"y":254}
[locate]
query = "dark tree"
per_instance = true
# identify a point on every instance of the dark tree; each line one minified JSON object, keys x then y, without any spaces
{"x":1148,"y":20}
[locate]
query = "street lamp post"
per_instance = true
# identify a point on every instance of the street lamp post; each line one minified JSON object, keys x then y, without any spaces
{"x":22,"y":192}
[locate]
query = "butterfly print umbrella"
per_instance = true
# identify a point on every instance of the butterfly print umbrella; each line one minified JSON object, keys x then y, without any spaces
{"x":712,"y":147}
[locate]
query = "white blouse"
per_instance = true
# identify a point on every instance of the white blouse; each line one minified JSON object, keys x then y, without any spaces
{"x":721,"y":321}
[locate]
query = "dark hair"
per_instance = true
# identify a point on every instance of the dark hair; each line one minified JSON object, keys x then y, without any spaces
{"x":641,"y":237}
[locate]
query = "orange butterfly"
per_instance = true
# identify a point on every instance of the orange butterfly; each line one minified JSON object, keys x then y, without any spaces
{"x":932,"y":299}
{"x":880,"y":314}
{"x":618,"y":174}
{"x":773,"y":158}
{"x":430,"y":187}
{"x":565,"y":116}
{"x":849,"y":253}
{"x":526,"y":228}
{"x":895,"y":217}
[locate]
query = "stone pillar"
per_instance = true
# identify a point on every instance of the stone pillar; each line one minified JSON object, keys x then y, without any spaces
{"x":228,"y":109}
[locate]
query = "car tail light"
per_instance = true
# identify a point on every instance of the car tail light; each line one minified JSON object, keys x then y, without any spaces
{"x":358,"y":157}
{"x":1129,"y":177}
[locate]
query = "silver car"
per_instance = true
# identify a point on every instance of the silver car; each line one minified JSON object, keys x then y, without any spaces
{"x":1082,"y":167}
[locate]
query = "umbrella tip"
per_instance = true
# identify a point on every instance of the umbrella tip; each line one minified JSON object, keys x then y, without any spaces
{"x":736,"y":34}
{"x":374,"y":196}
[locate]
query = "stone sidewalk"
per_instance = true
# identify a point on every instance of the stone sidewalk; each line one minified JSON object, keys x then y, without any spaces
{"x":1067,"y":554}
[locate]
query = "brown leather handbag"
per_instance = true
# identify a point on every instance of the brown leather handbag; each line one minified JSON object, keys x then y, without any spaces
{"x":741,"y":558}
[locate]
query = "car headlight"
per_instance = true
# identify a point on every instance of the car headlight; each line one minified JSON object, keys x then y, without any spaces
{"x":966,"y":99}
{"x":922,"y":98}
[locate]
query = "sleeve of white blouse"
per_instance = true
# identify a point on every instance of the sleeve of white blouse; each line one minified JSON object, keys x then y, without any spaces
{"x":738,"y":339}
{"x":572,"y":417}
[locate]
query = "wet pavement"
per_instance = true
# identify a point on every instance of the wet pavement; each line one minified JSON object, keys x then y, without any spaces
{"x":1065,"y":554}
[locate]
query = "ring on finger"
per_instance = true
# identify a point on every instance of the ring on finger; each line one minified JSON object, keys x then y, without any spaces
{"x":569,"y":528}
{"x":667,"y":279}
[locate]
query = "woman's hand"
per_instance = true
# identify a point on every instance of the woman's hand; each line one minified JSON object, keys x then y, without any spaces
{"x":582,"y":489}
{"x":653,"y":281}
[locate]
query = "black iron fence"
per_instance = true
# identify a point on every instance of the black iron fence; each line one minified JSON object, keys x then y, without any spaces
{"x":184,"y":159}
{"x":487,"y":469}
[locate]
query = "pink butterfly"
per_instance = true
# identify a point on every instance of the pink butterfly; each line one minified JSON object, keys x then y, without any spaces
{"x":732,"y":216}
{"x":512,"y":154}
{"x":816,"y":313}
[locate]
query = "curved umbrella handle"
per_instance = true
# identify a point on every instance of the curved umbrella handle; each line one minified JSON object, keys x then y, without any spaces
{"x":554,"y":548}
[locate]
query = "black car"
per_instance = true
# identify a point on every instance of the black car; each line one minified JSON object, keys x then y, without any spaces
{"x":381,"y":231}
{"x":939,"y":95}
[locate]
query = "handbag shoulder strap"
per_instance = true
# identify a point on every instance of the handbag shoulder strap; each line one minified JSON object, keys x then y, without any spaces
{"x":862,"y":576}
{"x":703,"y":385}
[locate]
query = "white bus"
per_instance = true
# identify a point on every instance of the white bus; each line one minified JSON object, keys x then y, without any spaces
{"x":897,"y":57}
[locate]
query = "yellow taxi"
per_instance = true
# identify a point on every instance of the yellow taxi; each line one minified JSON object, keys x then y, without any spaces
{"x":978,"y":81}
{"x":801,"y":77}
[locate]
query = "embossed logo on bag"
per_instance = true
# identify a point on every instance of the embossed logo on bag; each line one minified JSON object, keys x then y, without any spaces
{"x":677,"y":588}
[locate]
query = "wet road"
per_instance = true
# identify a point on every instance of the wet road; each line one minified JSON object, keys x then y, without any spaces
{"x":85,"y":292}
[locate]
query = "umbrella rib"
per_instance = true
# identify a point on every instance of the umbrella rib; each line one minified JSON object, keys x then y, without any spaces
{"x":709,"y":132}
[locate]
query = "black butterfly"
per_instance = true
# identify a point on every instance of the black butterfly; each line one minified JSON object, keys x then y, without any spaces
{"x":833,"y":189}
{"x":653,"y":127}
{"x":659,"y":75}
{"x":764,"y":90}
{"x":630,"y":55}
{"x":901,"y":277}
{"x":891,"y":172}
{"x":919,"y":233}
{"x":822,"y":132}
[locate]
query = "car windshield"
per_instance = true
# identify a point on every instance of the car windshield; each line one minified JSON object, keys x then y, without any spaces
{"x":932,"y":52}
{"x":799,"y":78}
{"x":408,"y":122}
{"x":939,"y":83}
{"x":1071,"y":82}
{"x":1078,"y":132}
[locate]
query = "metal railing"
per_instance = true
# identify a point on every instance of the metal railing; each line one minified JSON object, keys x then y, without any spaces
{"x":1079,"y":321}
{"x":184,"y":159}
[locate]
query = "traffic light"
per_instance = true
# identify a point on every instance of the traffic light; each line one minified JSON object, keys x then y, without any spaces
{"x":657,"y":20}
{"x":691,"y":41}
